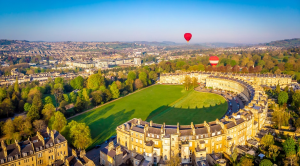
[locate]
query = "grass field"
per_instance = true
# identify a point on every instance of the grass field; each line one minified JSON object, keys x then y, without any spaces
{"x":152,"y":103}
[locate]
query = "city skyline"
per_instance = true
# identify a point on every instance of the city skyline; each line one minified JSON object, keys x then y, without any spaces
{"x":215,"y":21}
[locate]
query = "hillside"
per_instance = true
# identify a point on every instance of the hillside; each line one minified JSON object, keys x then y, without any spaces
{"x":284,"y":43}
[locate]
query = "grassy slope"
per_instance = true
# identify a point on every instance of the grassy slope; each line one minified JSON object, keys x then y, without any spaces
{"x":104,"y":120}
{"x":195,"y":107}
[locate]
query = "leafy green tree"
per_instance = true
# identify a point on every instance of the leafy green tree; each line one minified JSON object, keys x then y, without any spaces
{"x":143,"y":77}
{"x":277,"y":90}
{"x":106,"y":95}
{"x":86,"y":97}
{"x":79,"y":105}
{"x":296,"y":100}
{"x":96,"y":97}
{"x":80,"y":135}
{"x":37,"y":101}
{"x":187,"y":83}
{"x":77,"y":83}
{"x":129,"y":85}
{"x":267,"y":140}
{"x":59,"y":80}
{"x":59,"y":121}
{"x":3,"y":94}
{"x":73,"y":97}
{"x":114,"y":90}
{"x":8,"y":128}
{"x":289,"y":147}
{"x":16,"y":87}
{"x":48,"y":100}
{"x":265,"y":162}
{"x":283,"y":98}
{"x":21,"y":105}
{"x":7,"y":106}
{"x":66,"y":97}
{"x":48,"y":111}
{"x":95,"y":81}
{"x":27,"y":107}
{"x":33,"y":113}
{"x":39,"y":125}
{"x":245,"y":161}
{"x":153,"y":75}
{"x":131,"y":75}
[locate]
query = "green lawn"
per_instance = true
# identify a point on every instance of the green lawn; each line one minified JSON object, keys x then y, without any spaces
{"x":196,"y":107}
{"x":151,"y":103}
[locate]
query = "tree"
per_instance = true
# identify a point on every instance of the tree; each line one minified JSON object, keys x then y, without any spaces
{"x":273,"y":152}
{"x":79,"y":105}
{"x":267,"y":140}
{"x":283,"y":98}
{"x":194,"y":82}
{"x":280,"y":116}
{"x":95,"y":81}
{"x":26,"y":128}
{"x":187,"y":82}
{"x":33,"y":113}
{"x":174,"y":161}
{"x":72,"y":97}
{"x":59,"y":121}
{"x":96,"y":97}
{"x":3,"y":94}
{"x":48,"y":100}
{"x":7,"y":106}
{"x":27,"y":107}
{"x":57,"y":91}
{"x":277,"y":90}
{"x":138,"y":84}
{"x":245,"y":161}
{"x":265,"y":162}
{"x":8,"y":128}
{"x":77,"y":83}
{"x":39,"y":125}
{"x":16,"y":87}
{"x":59,"y":80}
{"x":86,"y":97}
{"x":289,"y":147}
{"x":296,"y":100}
{"x":153,"y":75}
{"x":37,"y":101}
{"x":143,"y":77}
{"x":21,"y":106}
{"x":131,"y":75}
{"x":119,"y":84}
{"x":114,"y":90}
{"x":48,"y":111}
{"x":129,"y":85}
{"x":106,"y":95}
{"x":80,"y":135}
{"x":66,"y":97}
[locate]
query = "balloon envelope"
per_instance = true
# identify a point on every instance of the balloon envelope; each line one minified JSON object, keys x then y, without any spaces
{"x":187,"y":36}
{"x":213,"y":60}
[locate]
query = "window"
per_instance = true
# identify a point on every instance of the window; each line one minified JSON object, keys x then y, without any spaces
{"x":156,"y":143}
{"x":201,"y":136}
{"x":191,"y":144}
{"x":132,"y":139}
{"x":136,"y":140}
{"x":141,"y":136}
{"x":157,"y":136}
{"x":166,"y":141}
{"x":220,"y":145}
{"x":213,"y":134}
{"x":219,"y":132}
{"x":141,"y":141}
{"x":136,"y":135}
{"x":197,"y":137}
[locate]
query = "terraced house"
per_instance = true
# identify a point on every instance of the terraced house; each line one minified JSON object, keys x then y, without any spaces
{"x":45,"y":148}
{"x":147,"y":143}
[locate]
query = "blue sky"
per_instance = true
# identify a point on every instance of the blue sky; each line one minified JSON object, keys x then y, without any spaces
{"x":235,"y":21}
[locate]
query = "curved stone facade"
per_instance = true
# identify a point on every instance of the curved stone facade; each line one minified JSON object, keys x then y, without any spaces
{"x":156,"y":143}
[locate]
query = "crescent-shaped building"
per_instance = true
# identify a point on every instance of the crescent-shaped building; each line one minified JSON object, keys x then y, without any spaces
{"x":147,"y":143}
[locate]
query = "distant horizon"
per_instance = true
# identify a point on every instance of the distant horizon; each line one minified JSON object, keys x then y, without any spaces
{"x":150,"y":41}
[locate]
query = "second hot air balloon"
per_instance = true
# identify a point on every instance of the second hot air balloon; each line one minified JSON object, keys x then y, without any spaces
{"x":187,"y":36}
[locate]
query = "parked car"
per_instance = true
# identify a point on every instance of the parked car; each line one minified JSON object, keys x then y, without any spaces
{"x":97,"y":146}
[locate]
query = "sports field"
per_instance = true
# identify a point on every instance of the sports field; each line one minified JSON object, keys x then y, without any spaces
{"x":155,"y":103}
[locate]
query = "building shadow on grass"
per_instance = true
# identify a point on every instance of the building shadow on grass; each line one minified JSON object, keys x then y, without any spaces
{"x":108,"y":126}
{"x":172,"y":115}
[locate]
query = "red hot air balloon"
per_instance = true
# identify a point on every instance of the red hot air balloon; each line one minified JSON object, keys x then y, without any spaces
{"x":187,"y":36}
{"x":213,"y":60}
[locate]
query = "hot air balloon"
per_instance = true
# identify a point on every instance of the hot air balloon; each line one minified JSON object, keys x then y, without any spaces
{"x":213,"y":60}
{"x":187,"y":36}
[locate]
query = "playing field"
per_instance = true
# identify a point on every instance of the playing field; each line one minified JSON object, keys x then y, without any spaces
{"x":161,"y":103}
